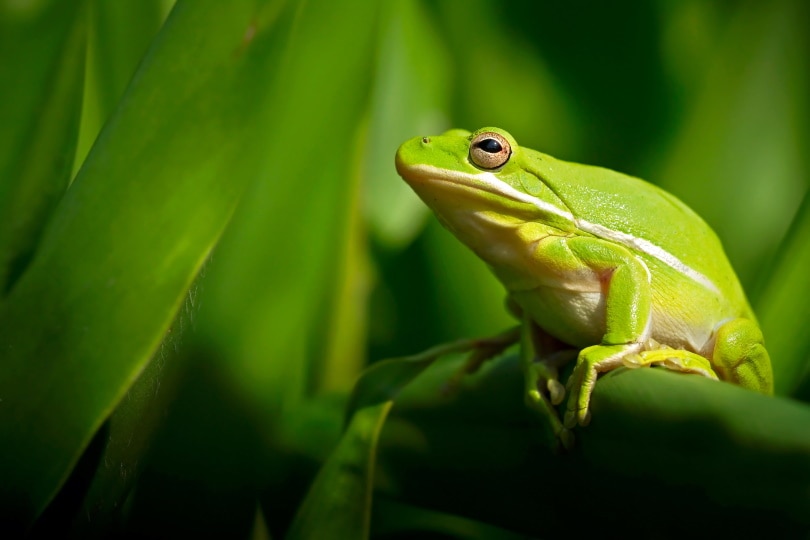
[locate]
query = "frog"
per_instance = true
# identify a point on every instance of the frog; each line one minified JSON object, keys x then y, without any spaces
{"x":593,"y":261}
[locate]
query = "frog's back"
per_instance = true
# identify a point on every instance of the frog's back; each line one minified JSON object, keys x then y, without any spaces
{"x":646,"y":219}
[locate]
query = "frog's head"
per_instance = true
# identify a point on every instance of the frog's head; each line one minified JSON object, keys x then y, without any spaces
{"x":484,"y":173}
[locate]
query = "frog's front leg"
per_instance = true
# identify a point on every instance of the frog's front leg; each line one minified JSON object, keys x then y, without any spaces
{"x":627,"y":301}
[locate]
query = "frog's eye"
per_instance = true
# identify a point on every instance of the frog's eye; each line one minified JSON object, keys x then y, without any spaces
{"x":490,"y":150}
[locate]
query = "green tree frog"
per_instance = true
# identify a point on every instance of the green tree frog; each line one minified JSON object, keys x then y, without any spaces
{"x":591,"y":259}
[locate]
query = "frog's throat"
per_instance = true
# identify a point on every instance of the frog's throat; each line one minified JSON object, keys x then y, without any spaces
{"x":489,"y":182}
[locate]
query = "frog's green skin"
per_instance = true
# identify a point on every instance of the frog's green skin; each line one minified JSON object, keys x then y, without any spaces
{"x":601,"y":261}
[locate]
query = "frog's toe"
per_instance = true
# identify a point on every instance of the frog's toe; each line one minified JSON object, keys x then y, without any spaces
{"x":544,"y":377}
{"x":533,"y":397}
{"x":580,"y":417}
{"x":585,"y":418}
{"x":570,"y":420}
{"x":633,"y":361}
{"x":578,"y":410}
{"x":556,"y":391}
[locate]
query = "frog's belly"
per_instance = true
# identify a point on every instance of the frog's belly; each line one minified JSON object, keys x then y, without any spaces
{"x":577,"y":317}
{"x":678,"y":330}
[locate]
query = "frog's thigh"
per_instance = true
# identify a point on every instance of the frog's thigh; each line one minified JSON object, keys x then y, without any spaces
{"x":740,"y":356}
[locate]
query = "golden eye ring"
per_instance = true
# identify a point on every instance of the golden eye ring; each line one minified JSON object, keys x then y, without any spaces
{"x":490,"y":150}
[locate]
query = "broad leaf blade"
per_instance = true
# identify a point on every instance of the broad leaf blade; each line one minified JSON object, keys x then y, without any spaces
{"x":41,"y":76}
{"x":783,"y":310}
{"x":411,"y":97}
{"x":339,"y":502}
{"x":120,"y":34}
{"x":738,"y":159}
{"x":384,"y":380}
{"x":705,"y":451}
{"x":285,"y":262}
{"x":127,"y":240}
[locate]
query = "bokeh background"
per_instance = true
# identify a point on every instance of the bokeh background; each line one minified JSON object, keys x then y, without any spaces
{"x":205,"y":242}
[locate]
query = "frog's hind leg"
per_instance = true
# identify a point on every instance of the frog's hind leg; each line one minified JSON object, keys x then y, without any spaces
{"x":480,"y":351}
{"x":674,"y":359}
{"x":740,"y":356}
{"x":542,"y":356}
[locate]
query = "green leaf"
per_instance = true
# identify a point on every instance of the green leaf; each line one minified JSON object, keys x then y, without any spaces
{"x":504,"y":79}
{"x":738,"y":158}
{"x":126,"y":437}
{"x":260,"y":531}
{"x":391,"y":519}
{"x":120,"y":33}
{"x":286,"y":268}
{"x":411,"y":96}
{"x":783,"y":318}
{"x":338,"y":504}
{"x":664,"y":452}
{"x":127,"y":240}
{"x":384,"y":380}
{"x":479,"y":298}
{"x":40,"y":110}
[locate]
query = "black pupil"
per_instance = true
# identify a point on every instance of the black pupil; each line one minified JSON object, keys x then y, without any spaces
{"x":491,"y":146}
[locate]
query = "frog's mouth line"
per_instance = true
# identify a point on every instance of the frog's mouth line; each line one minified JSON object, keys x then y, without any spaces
{"x":486,"y":181}
{"x":490,"y":183}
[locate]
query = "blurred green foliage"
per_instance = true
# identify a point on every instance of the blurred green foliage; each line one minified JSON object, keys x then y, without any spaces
{"x":204,"y":242}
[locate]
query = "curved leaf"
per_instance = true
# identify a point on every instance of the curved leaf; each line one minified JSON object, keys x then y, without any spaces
{"x":39,"y":121}
{"x":385,"y":380}
{"x":664,"y":452}
{"x":120,"y":34}
{"x":289,"y":263}
{"x":737,"y":159}
{"x":338,"y":504}
{"x":128,"y":238}
{"x":410,"y":95}
{"x":783,"y":318}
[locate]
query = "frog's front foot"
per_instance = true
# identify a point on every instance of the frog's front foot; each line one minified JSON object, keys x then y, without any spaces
{"x":591,"y":362}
